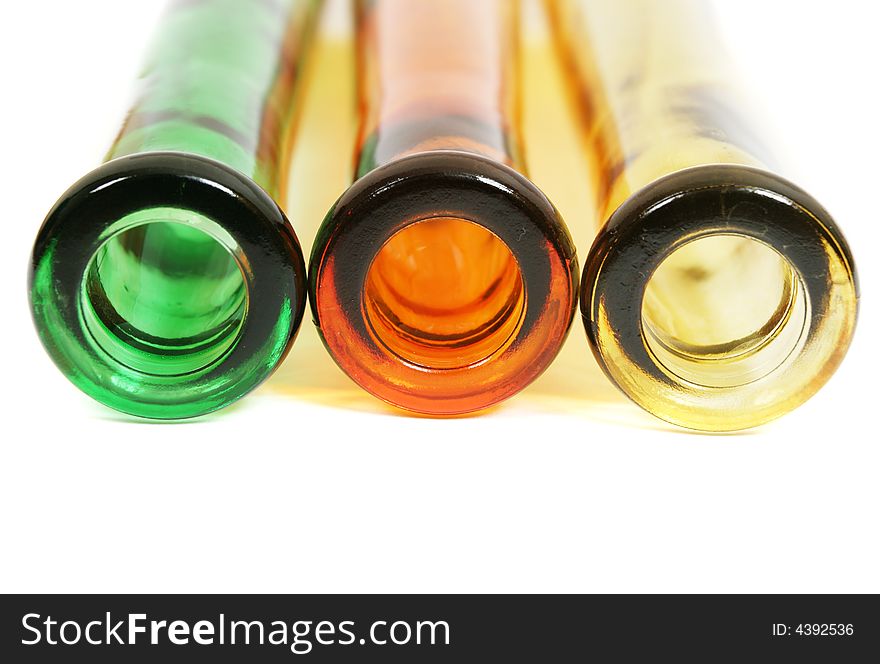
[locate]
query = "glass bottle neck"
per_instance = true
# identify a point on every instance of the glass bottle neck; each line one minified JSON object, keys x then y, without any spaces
{"x":430,"y":81}
{"x":195,"y":97}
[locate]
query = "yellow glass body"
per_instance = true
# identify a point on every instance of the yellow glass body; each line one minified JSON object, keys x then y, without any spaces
{"x":717,"y":295}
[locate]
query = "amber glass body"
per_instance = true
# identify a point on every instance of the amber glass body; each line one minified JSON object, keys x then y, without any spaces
{"x":717,"y":294}
{"x":443,"y":281}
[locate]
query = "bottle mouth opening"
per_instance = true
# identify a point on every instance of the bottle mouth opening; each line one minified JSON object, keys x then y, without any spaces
{"x":723,"y":310}
{"x":444,"y":293}
{"x":164,"y":294}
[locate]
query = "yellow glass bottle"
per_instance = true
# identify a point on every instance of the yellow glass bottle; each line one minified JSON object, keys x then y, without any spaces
{"x":717,"y":295}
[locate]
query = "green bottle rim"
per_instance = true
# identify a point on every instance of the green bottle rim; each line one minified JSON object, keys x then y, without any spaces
{"x":240,"y":215}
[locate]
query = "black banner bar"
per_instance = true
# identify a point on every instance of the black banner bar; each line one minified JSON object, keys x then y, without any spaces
{"x":446,"y":628}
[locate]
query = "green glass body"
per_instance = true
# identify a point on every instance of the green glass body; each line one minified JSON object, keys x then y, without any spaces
{"x":168,"y":283}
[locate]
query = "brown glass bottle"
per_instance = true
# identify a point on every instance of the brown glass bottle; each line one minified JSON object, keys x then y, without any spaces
{"x":717,"y":294}
{"x":443,"y":281}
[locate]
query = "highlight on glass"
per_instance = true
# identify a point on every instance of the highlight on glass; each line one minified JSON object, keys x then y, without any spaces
{"x":168,"y":283}
{"x":717,"y":295}
{"x":443,"y":281}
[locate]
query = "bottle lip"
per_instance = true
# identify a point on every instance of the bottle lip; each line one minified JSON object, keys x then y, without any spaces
{"x":699,"y":202}
{"x":244,"y":219}
{"x":415,"y":188}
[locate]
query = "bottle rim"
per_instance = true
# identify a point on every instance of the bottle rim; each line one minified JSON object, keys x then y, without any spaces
{"x":425,"y":186}
{"x":711,"y":201}
{"x":242,"y":217}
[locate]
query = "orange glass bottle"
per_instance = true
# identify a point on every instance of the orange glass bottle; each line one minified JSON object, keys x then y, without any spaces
{"x":442,"y":281}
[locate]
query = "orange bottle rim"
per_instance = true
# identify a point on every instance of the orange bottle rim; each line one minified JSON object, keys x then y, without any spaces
{"x":413,"y":189}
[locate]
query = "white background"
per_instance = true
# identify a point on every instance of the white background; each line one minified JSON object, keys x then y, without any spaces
{"x":311,"y":485}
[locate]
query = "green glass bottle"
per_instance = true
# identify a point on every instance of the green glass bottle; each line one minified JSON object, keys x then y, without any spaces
{"x":168,"y":283}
